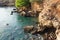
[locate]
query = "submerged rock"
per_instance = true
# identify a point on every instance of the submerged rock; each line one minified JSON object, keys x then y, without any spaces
{"x":7,"y":24}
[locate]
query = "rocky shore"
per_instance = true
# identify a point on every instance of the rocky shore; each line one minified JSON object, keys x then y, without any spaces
{"x":27,"y":12}
{"x":49,"y":22}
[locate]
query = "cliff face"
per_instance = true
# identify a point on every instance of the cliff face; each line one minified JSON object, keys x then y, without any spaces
{"x":50,"y":9}
{"x":49,"y":19}
{"x":7,"y":2}
{"x":49,"y":16}
{"x":36,"y":6}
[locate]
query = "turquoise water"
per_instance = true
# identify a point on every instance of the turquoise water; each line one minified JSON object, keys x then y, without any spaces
{"x":13,"y":31}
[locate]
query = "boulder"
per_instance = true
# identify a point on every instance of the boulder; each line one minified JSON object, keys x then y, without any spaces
{"x":23,"y":13}
{"x":28,"y":29}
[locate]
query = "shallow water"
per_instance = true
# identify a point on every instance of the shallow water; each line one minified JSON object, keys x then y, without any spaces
{"x":14,"y":29}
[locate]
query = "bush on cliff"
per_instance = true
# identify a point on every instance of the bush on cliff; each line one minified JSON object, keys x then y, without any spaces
{"x":20,"y":3}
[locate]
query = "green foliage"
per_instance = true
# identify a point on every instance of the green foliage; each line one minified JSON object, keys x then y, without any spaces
{"x":20,"y":3}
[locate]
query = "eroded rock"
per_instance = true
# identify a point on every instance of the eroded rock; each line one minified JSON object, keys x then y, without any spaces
{"x":49,"y":21}
{"x":23,"y":13}
{"x":58,"y":34}
{"x":28,"y":29}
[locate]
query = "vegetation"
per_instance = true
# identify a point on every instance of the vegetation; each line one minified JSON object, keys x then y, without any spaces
{"x":20,"y":3}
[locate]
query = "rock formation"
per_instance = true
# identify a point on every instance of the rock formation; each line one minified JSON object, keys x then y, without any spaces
{"x":47,"y":17}
{"x":49,"y":21}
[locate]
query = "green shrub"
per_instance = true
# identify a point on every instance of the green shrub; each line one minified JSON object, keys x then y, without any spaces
{"x":20,"y":3}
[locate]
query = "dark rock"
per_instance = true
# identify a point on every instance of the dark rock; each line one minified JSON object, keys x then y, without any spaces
{"x":11,"y":13}
{"x":37,"y":22}
{"x":28,"y":14}
{"x":7,"y":24}
{"x":14,"y":9}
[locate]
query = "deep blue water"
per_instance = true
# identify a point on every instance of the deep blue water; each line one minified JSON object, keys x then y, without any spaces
{"x":13,"y":31}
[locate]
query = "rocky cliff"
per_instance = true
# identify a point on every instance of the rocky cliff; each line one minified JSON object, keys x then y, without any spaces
{"x":49,"y":21}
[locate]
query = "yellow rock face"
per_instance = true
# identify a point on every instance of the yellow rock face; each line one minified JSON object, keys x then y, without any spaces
{"x":58,"y":34}
{"x":58,"y":11}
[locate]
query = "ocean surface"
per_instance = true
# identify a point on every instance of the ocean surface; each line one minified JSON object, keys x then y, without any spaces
{"x":11,"y":26}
